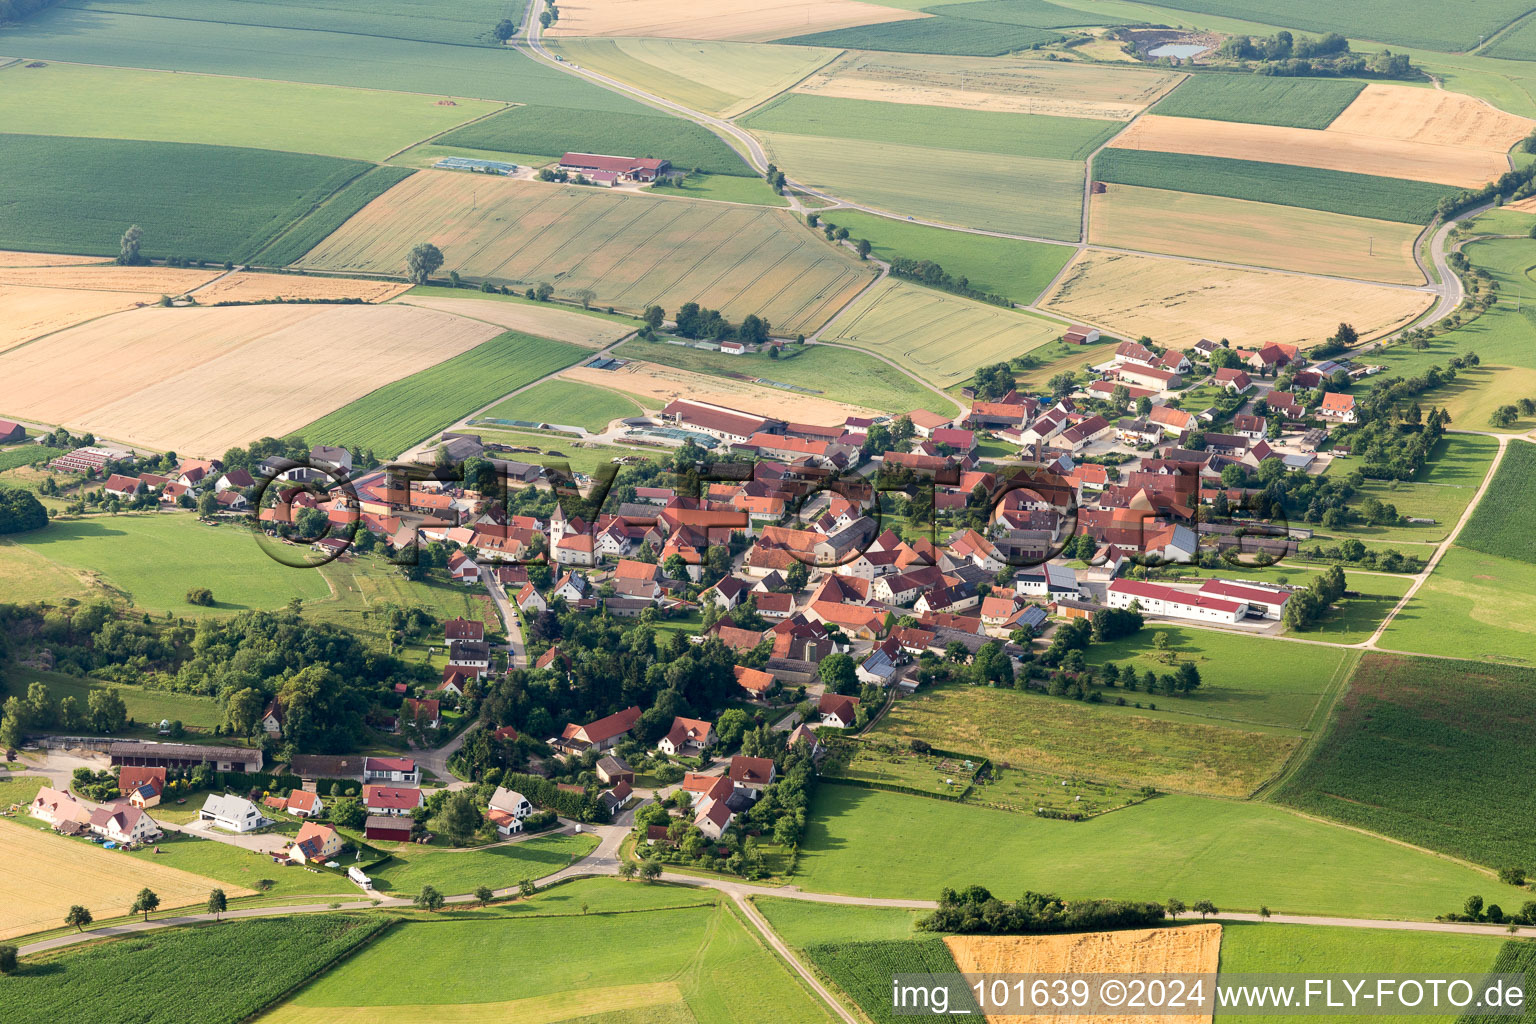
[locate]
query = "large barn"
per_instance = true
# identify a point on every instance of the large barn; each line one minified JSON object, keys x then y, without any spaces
{"x":601,"y":167}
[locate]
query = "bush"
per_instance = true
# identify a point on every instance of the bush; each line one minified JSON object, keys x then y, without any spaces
{"x":200,"y":596}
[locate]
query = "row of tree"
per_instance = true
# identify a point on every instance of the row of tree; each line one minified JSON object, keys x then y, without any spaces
{"x":975,"y":911}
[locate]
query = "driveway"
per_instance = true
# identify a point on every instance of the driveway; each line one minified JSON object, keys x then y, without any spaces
{"x":268,"y":843}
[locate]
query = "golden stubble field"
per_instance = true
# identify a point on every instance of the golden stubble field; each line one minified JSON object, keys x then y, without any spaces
{"x":249,"y":287}
{"x":545,"y":321}
{"x":1431,"y":117}
{"x":656,"y":385}
{"x":17,"y":258}
{"x":1011,"y":84}
{"x":200,"y":380}
{"x":27,"y":313}
{"x":46,"y":874}
{"x":1192,"y":949}
{"x":748,"y":20}
{"x":1177,"y":302}
{"x":108,"y":277}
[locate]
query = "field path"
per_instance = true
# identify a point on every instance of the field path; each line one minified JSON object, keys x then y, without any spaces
{"x":767,"y":932}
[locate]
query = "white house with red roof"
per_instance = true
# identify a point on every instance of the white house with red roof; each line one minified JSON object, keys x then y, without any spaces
{"x":688,"y":736}
{"x":399,"y":770}
{"x":837,"y":710}
{"x":1267,"y":601}
{"x":1338,"y":407}
{"x":1171,"y":602}
{"x":392,"y":801}
{"x":463,"y":568}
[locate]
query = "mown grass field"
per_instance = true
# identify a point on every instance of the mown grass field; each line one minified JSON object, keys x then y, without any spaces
{"x":553,"y":131}
{"x":154,"y":978}
{"x":727,"y":188}
{"x":978,"y":131}
{"x":1432,"y":752}
{"x":398,"y":415}
{"x":145,"y":706}
{"x":236,"y":866}
{"x":458,"y":871}
{"x":568,"y":403}
{"x":1418,"y":23}
{"x":1008,"y":267}
{"x":933,"y":35}
{"x":1359,"y":195}
{"x":1501,"y":523}
{"x":1293,"y":102}
{"x":1473,"y":605}
{"x":802,"y":923}
{"x":368,"y":584}
{"x":121,"y":103}
{"x":1240,"y":855}
{"x":203,"y":202}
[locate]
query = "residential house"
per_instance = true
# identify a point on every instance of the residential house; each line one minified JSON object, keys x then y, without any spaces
{"x":143,"y":786}
{"x":1234,"y":380}
{"x":463,"y":629}
{"x":571,"y":587}
{"x":925,"y":422}
{"x":598,"y":735}
{"x":471,"y":655}
{"x":530,"y":601}
{"x":58,"y":808}
{"x":1253,"y":428}
{"x":392,"y":801}
{"x":755,"y":681}
{"x":302,"y":803}
{"x":427,"y":714}
{"x":714,"y":819}
{"x":804,"y":734}
{"x":1338,"y":407}
{"x":688,"y":736}
{"x":463,"y":568}
{"x":232,"y":813}
{"x":315,"y":843}
{"x":123,"y":824}
{"x":401,"y":771}
{"x":507,"y":809}
{"x":751,"y":775}
{"x":837,"y":710}
{"x":272,"y":719}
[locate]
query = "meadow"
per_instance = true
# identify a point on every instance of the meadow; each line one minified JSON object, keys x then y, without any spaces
{"x":235,"y":866}
{"x":977,"y":131}
{"x":408,"y":410}
{"x":727,"y":188}
{"x":121,"y":103}
{"x":568,"y":403}
{"x":146,"y":707}
{"x":1009,"y":267}
{"x":724,"y":19}
{"x":1240,"y":855}
{"x":553,"y":131}
{"x":1431,"y":752}
{"x":933,"y":35}
{"x":803,"y":923}
{"x":1359,"y":195}
{"x":1459,"y":460}
{"x":1292,"y":102}
{"x":1034,"y":13}
{"x":460,"y":871}
{"x":1414,"y":24}
{"x":153,"y":979}
{"x":1444,"y":504}
{"x":1501,"y":524}
{"x":203,"y":202}
{"x":366,"y":584}
{"x":630,"y":250}
{"x":1473,"y":605}
{"x":921,"y":329}
{"x":1020,"y":195}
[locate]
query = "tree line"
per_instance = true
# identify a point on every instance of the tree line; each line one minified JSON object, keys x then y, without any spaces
{"x":975,"y":911}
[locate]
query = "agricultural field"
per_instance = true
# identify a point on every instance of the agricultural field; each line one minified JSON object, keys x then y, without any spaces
{"x":1414,"y":24}
{"x":630,"y":250}
{"x":726,"y":188}
{"x":852,"y":377}
{"x":14,"y":258}
{"x":581,"y":456}
{"x":459,"y":871}
{"x":1501,"y":523}
{"x":863,"y":972}
{"x":1036,"y":13}
{"x":153,"y":979}
{"x":1358,"y":195}
{"x":145,"y":706}
{"x":1278,"y":237}
{"x":977,"y":131}
{"x":553,"y":131}
{"x":656,"y":384}
{"x":1016,"y":84}
{"x":939,"y":34}
{"x":1431,"y":116}
{"x":1473,"y":605}
{"x":135,"y":377}
{"x":1009,"y":267}
{"x":720,"y":78}
{"x":749,"y":20}
{"x":409,"y":409}
{"x":567,"y":403}
{"x":1326,"y":150}
{"x":203,"y":202}
{"x":802,"y":923}
{"x":307,"y":232}
{"x":1178,"y":303}
{"x":589,"y":329}
{"x":1239,"y":855}
{"x":121,"y":103}
{"x":1431,"y":752}
{"x":1290,"y":102}
{"x":110,"y":278}
{"x":243,"y":287}
{"x":46,"y":874}
{"x":683,"y":964}
{"x":27,"y":313}
{"x":922,"y":329}
{"x":1020,"y":195}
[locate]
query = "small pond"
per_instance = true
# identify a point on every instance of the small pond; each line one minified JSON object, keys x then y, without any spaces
{"x":1179,"y":50}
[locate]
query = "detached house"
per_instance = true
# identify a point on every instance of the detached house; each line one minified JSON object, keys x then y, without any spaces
{"x":124,"y":823}
{"x":232,"y":813}
{"x":837,"y":710}
{"x":392,"y":801}
{"x":751,"y":775}
{"x":688,"y":736}
{"x":398,"y":770}
{"x":598,"y":735}
{"x":507,"y":809}
{"x":1338,"y":407}
{"x":463,"y":568}
{"x":315,"y":842}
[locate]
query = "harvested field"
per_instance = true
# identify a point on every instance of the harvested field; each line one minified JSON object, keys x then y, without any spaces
{"x":631,"y":250}
{"x":1527,"y":205}
{"x":545,"y":321}
{"x":1431,"y":117}
{"x":246,"y":287}
{"x":1193,"y":949}
{"x":1304,"y":147}
{"x":1283,"y":237}
{"x":656,"y":385}
{"x":1006,"y":84}
{"x":204,"y":379}
{"x":109,"y":278}
{"x":941,"y":338}
{"x":15,"y":258}
{"x":46,"y":874}
{"x":1178,"y":303}
{"x":751,"y":20}
{"x":27,"y":313}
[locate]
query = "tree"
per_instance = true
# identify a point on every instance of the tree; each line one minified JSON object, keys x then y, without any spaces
{"x":108,"y":713}
{"x":585,"y":296}
{"x":483,"y":894}
{"x":627,"y":870}
{"x":654,"y":316}
{"x":1474,"y":907}
{"x":207,"y":505}
{"x":429,"y":899}
{"x":1085,"y":547}
{"x":145,"y":902}
{"x":731,"y":726}
{"x":7,"y":959}
{"x":837,"y":671}
{"x":202,"y":596}
{"x":423,"y":259}
{"x":348,"y":813}
{"x":650,"y":869}
{"x":863,"y":248}
{"x":459,"y":817}
{"x":79,"y":917}
{"x":504,"y":30}
{"x":128,"y":254}
{"x":1264,"y":911}
{"x":797,"y":575}
{"x":1175,"y":908}
{"x":217,"y":902}
{"x":526,"y":889}
{"x":1205,"y":908}
{"x":1512,"y":876}
{"x":12,"y":726}
{"x":20,"y":511}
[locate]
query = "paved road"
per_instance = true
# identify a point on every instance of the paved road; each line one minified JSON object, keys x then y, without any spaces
{"x":436,"y":761}
{"x":517,"y":654}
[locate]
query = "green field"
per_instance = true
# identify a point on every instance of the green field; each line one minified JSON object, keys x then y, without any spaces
{"x":802,"y":923}
{"x":839,"y":374}
{"x":234,"y":865}
{"x":1501,"y":523}
{"x":308,"y":231}
{"x":957,"y":36}
{"x":727,"y":188}
{"x":567,"y":402}
{"x":1443,"y":504}
{"x":118,"y":103}
{"x":400,"y":414}
{"x":864,"y":971}
{"x":1432,"y":752}
{"x":1418,"y":23}
{"x":1293,"y":102}
{"x":1034,"y":13}
{"x":553,"y":131}
{"x":365,"y":584}
{"x":977,"y":131}
{"x":1459,"y":460}
{"x":203,"y":202}
{"x":152,"y":979}
{"x":1008,"y":267}
{"x":147,"y":707}
{"x":1240,"y":855}
{"x":1473,"y":605}
{"x":1519,"y":44}
{"x":460,"y":871}
{"x":1362,"y":195}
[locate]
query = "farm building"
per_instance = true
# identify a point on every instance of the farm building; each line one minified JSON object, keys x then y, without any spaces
{"x":603,"y":167}
{"x":1155,"y":599}
{"x":11,"y":432}
{"x":1268,"y":602}
{"x":182,"y":755}
{"x":1081,"y":334}
{"x":395,"y":830}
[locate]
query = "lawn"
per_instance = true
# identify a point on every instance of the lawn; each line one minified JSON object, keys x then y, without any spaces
{"x":977,"y":131}
{"x":1356,"y":618}
{"x":933,"y":35}
{"x":1459,"y":460}
{"x":146,"y":707}
{"x":1360,"y":195}
{"x":460,"y":871}
{"x":1440,"y":502}
{"x":1501,"y":523}
{"x":237,"y":866}
{"x":568,"y":403}
{"x":408,"y":411}
{"x":1240,"y":855}
{"x":120,"y":103}
{"x":1432,"y":752}
{"x":1472,"y":606}
{"x":554,"y":131}
{"x":1008,"y":267}
{"x":1293,"y":102}
{"x":203,"y":202}
{"x":726,"y":188}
